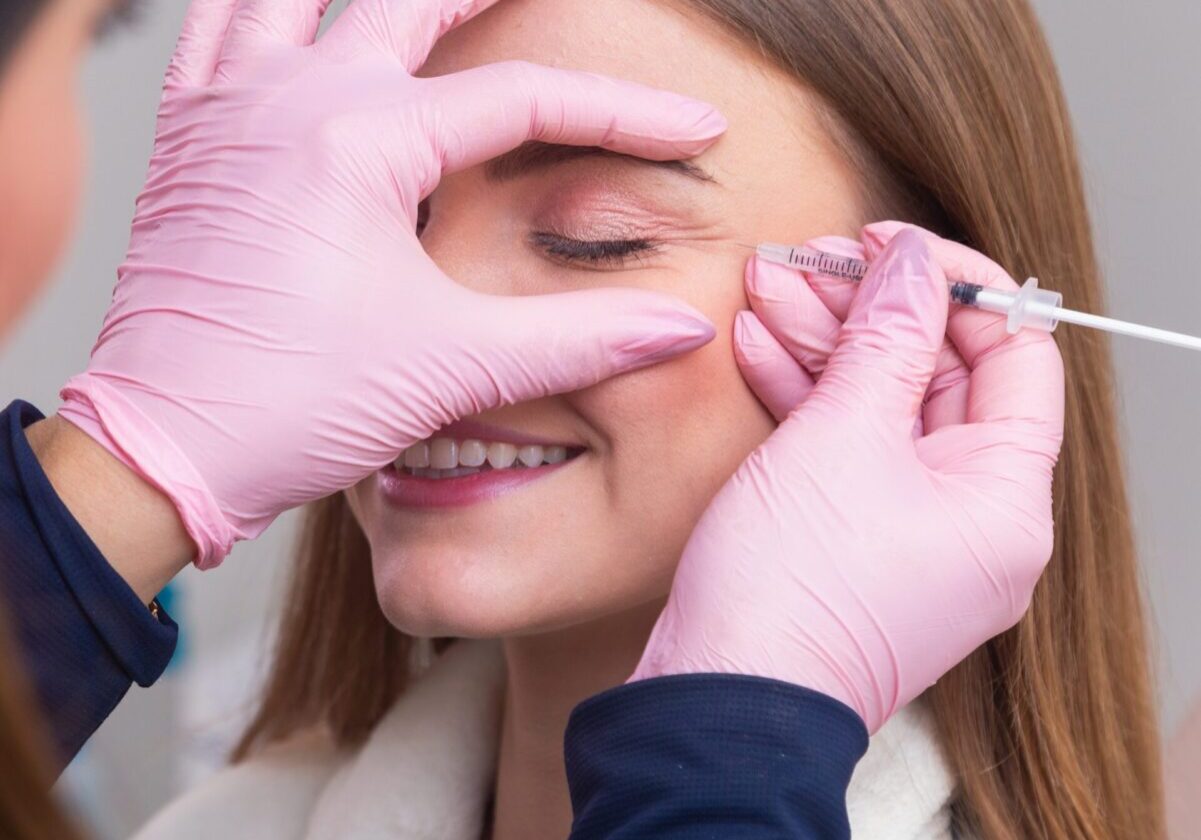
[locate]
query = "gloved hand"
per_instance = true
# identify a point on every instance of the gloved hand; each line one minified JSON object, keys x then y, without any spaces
{"x":277,"y":332}
{"x":851,"y":558}
{"x":806,"y":312}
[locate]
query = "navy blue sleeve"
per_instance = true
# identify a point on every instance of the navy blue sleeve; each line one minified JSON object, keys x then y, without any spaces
{"x":711,"y":756}
{"x":83,"y":634}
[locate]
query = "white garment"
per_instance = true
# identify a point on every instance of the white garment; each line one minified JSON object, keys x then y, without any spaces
{"x":426,"y":773}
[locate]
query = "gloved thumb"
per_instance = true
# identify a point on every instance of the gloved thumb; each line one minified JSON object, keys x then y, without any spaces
{"x":524,"y":347}
{"x":886,"y":353}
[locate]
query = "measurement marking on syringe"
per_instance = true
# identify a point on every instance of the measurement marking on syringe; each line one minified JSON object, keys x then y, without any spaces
{"x":844,"y":268}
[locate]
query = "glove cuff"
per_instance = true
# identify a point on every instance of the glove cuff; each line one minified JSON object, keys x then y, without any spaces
{"x":104,"y":414}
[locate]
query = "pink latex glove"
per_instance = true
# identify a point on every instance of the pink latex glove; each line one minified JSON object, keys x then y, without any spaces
{"x":277,"y":332}
{"x":847,"y":556}
{"x":806,"y":312}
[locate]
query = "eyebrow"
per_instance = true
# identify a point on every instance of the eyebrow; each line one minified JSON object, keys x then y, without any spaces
{"x":534,"y":155}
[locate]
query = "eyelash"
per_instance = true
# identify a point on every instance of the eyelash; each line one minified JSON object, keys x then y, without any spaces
{"x":583,"y":252}
{"x":591,"y":252}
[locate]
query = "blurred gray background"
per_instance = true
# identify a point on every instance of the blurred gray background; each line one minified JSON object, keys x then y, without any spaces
{"x":1131,"y":73}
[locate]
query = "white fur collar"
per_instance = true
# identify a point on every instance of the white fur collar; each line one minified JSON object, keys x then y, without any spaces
{"x":426,"y":773}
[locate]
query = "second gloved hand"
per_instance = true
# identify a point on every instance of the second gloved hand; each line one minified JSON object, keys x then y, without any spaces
{"x":782,"y":362}
{"x":277,"y":332}
{"x":847,"y":556}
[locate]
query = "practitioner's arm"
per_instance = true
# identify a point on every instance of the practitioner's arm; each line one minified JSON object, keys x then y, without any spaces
{"x":83,"y":633}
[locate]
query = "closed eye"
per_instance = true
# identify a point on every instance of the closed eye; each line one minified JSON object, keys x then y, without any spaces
{"x":591,"y":252}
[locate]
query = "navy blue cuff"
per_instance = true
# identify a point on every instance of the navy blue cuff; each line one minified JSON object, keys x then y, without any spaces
{"x":711,"y":755}
{"x":84,"y":634}
{"x":140,"y":642}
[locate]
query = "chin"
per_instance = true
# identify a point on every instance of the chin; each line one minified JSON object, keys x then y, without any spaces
{"x":457,"y":590}
{"x":489,"y":591}
{"x":431,"y":592}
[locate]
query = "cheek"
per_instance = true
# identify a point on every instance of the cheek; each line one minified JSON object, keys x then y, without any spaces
{"x":41,"y":163}
{"x":678,"y":431}
{"x":603,"y":538}
{"x":606,"y":534}
{"x":681,"y":428}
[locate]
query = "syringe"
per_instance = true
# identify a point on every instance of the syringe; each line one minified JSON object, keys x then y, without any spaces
{"x":1029,"y":306}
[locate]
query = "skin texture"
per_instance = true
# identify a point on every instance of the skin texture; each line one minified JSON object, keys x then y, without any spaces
{"x":575,"y":588}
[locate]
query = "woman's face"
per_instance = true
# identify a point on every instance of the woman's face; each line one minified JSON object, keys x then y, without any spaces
{"x":40,"y":148}
{"x":519,"y":550}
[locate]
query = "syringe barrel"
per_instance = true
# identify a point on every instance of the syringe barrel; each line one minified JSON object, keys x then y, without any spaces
{"x":1029,"y":306}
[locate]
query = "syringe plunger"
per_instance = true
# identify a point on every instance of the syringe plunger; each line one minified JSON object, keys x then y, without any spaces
{"x":1029,"y":306}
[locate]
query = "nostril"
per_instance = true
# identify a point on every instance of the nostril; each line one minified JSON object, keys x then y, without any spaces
{"x":423,"y":216}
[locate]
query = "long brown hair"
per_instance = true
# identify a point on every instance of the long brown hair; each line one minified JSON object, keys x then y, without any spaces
{"x":956,"y":118}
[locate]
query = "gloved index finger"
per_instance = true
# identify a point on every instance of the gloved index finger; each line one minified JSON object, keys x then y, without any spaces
{"x":836,"y":293}
{"x":1012,"y":376}
{"x":490,"y":110}
{"x":786,"y":305}
{"x":200,"y":41}
{"x":257,"y":22}
{"x":407,"y":29}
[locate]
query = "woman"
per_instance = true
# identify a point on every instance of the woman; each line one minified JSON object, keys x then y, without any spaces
{"x":945,"y":114}
{"x":272,"y":245}
{"x":101,"y":504}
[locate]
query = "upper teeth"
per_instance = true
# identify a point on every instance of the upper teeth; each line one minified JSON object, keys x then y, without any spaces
{"x":440,"y":453}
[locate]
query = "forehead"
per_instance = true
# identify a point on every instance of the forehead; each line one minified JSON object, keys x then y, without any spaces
{"x":646,"y":41}
{"x":775,"y":139}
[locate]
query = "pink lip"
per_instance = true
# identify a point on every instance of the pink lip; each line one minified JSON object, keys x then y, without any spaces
{"x":473,"y":429}
{"x":407,"y":491}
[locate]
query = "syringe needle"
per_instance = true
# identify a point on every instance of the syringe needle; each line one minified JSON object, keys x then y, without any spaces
{"x":1100,"y":322}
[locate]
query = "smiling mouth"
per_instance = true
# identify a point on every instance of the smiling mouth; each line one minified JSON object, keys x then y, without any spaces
{"x":445,"y":457}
